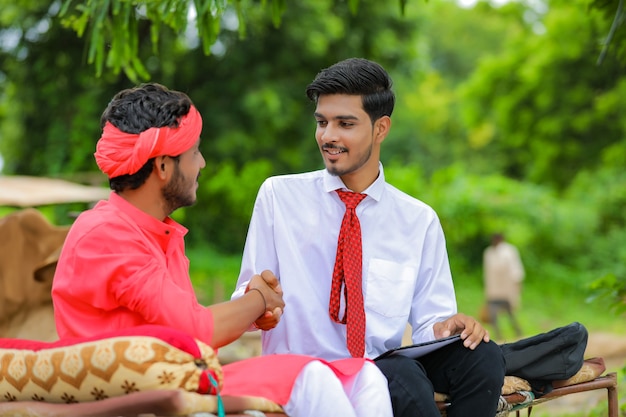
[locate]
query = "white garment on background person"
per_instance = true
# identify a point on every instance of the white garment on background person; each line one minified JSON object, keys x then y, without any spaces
{"x":503,"y":273}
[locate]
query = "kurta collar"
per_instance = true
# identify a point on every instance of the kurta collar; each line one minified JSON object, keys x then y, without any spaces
{"x":163,"y":229}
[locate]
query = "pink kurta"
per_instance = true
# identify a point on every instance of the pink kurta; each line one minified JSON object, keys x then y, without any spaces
{"x":121,"y":267}
{"x":273,"y":376}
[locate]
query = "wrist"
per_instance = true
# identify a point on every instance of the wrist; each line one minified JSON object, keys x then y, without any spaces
{"x":256,"y":290}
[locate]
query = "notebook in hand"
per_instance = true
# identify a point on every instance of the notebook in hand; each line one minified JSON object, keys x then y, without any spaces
{"x":420,"y":349}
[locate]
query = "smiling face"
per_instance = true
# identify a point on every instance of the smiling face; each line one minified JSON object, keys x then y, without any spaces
{"x":349,"y":143}
{"x":180,"y":191}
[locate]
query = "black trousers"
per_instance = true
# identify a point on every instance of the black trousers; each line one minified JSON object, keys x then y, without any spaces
{"x":472,"y":378}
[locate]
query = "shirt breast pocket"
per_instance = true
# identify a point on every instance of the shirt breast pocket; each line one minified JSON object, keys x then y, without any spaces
{"x":389,"y":288}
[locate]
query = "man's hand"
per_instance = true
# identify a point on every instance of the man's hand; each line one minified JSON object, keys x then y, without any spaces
{"x":269,"y":320}
{"x":270,"y":288}
{"x":471,"y":331}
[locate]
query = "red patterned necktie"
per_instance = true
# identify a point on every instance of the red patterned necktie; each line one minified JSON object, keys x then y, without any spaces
{"x":348,"y":274}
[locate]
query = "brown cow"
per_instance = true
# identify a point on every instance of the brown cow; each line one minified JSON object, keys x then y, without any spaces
{"x":29,"y":249}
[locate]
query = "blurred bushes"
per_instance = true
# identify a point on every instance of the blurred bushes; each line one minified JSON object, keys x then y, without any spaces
{"x":572,"y":239}
{"x":570,"y":243}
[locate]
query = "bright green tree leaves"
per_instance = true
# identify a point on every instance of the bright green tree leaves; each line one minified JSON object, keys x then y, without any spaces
{"x":544,"y":105}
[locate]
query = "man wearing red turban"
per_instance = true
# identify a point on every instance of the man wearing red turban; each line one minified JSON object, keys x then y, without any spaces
{"x":123,"y":264}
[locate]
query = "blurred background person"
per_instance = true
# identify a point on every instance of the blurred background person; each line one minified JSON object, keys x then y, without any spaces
{"x":503,"y":274}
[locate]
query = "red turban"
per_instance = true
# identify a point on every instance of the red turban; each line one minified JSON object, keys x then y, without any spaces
{"x":119,"y":153}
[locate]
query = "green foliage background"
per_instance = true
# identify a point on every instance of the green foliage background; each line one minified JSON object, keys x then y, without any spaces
{"x":505,"y":121}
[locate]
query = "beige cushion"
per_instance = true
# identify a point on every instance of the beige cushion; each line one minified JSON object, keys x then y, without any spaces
{"x":513,"y":384}
{"x":105,"y":368}
{"x":591,"y":369}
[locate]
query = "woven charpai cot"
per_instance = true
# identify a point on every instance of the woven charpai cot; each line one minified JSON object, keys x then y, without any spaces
{"x":148,"y":358}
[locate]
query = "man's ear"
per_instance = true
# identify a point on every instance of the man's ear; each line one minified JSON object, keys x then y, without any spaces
{"x":381,"y":128}
{"x":160,"y":166}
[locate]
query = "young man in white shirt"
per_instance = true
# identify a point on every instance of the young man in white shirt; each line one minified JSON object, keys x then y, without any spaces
{"x":405,"y":271}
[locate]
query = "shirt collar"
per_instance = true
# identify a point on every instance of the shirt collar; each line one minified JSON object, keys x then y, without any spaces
{"x":375,"y":190}
{"x":166,"y":228}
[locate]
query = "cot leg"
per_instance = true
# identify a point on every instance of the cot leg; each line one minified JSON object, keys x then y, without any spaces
{"x":612,"y":399}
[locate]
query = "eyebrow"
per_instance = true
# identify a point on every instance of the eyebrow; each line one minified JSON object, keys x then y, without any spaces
{"x":340,"y":117}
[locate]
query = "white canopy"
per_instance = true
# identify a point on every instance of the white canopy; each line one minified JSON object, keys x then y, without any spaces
{"x":26,"y":191}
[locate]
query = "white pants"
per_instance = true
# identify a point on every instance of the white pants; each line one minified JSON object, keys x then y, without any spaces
{"x":318,"y":392}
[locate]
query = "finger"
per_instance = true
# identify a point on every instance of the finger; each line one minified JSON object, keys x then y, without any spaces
{"x":471,"y":342}
{"x":469,"y":327}
{"x":474,"y":339}
{"x":253,"y":281}
{"x":447,"y":331}
{"x":269,"y":277}
{"x":266,"y":323}
{"x":486,"y":338}
{"x":271,"y":280}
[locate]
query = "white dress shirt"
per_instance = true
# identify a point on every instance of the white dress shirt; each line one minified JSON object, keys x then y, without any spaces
{"x":406,"y":274}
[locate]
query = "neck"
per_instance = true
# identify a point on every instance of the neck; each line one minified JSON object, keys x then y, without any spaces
{"x":147,"y":198}
{"x":358,"y":181}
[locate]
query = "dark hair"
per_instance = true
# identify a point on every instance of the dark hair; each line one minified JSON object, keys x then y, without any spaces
{"x":497,"y":238}
{"x":359,"y":77}
{"x":137,"y":109}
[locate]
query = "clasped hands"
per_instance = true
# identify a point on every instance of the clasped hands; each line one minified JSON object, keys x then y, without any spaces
{"x":472,"y":332}
{"x":269,"y":287}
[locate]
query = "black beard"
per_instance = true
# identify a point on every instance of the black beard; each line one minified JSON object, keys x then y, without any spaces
{"x":176,"y":194}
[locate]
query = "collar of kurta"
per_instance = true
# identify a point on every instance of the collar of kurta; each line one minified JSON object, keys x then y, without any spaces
{"x":163,"y":230}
